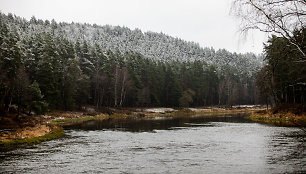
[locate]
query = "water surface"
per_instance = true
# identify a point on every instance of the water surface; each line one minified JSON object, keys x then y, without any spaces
{"x":222,"y":144}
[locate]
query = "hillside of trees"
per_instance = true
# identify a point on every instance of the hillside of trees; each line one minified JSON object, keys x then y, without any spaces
{"x":49,"y":65}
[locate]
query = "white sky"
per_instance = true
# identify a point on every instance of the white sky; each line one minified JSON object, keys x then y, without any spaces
{"x":204,"y":21}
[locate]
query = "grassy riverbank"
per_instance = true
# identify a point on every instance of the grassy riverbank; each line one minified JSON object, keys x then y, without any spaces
{"x":284,"y":115}
{"x":14,"y":139}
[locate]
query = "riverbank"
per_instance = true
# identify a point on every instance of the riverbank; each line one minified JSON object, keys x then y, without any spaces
{"x":29,"y":135}
{"x":284,"y":115}
{"x":67,"y":118}
{"x":36,"y":129}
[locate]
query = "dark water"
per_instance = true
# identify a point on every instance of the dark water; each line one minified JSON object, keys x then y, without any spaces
{"x":223,"y":144}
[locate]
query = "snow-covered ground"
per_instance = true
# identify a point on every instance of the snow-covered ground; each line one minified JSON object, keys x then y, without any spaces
{"x":199,"y":109}
{"x":246,"y":106}
{"x":159,"y":110}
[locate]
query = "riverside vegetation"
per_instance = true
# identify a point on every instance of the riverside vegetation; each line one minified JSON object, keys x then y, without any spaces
{"x":284,"y":115}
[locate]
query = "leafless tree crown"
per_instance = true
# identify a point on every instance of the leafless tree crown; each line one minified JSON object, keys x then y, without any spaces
{"x":281,"y":17}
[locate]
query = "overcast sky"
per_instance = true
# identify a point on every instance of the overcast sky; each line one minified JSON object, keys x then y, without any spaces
{"x":204,"y":21}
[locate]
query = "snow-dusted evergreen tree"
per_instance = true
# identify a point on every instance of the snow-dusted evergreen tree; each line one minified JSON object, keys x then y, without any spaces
{"x":157,"y":46}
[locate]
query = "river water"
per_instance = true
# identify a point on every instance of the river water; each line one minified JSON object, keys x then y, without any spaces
{"x":219,"y":144}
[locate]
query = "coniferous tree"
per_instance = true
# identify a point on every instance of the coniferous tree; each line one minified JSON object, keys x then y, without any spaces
{"x":10,"y":64}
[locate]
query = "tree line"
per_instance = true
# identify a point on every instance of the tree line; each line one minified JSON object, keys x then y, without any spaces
{"x":41,"y":71}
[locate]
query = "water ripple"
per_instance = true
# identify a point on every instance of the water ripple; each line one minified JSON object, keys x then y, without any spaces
{"x":183,"y":145}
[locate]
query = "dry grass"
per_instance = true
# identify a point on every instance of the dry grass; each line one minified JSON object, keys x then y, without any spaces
{"x":31,"y":136}
{"x":281,"y":117}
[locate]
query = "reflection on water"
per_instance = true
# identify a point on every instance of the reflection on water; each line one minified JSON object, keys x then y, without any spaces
{"x":225,"y":144}
{"x":147,"y":125}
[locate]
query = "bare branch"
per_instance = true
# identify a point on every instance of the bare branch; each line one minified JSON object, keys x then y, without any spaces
{"x":282,"y":17}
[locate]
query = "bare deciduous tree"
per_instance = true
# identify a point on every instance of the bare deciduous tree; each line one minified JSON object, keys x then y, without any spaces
{"x":281,"y":17}
{"x":122,"y":83}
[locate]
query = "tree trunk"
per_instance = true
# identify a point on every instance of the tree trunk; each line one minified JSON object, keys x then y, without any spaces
{"x":115,"y":86}
{"x":122,"y":89}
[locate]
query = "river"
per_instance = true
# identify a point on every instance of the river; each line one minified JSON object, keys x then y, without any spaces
{"x":219,"y":144}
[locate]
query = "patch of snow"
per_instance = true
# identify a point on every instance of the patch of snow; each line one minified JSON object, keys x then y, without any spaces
{"x":198,"y":109}
{"x":245,"y":106}
{"x":159,"y":110}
